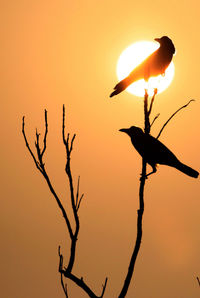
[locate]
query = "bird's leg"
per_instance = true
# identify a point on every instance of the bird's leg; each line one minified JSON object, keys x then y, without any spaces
{"x":143,"y":177}
{"x":154,"y":170}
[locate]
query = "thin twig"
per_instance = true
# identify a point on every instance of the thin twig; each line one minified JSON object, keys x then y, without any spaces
{"x":63,"y":126}
{"x":45,"y":135}
{"x":77,"y":192}
{"x":156,"y":117}
{"x":37,"y":145}
{"x":146,"y":116}
{"x":60,"y":269}
{"x":72,"y":141}
{"x":80,"y":282}
{"x":79,"y":202}
{"x":152,"y":101}
{"x":27,"y":145}
{"x":173,"y":116}
{"x":104,"y":287}
{"x":198,"y":280}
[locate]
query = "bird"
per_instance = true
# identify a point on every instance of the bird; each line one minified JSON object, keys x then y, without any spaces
{"x":152,"y":66}
{"x":154,"y":152}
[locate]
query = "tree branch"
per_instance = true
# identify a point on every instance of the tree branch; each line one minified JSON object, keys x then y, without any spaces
{"x":38,"y":160}
{"x":27,"y":145}
{"x":68,"y":148}
{"x":61,"y":272}
{"x":152,"y":101}
{"x":173,"y":116}
{"x":41,"y":167}
{"x":156,"y":117}
{"x":45,"y":135}
{"x":140,"y":211}
{"x":79,"y":202}
{"x":146,"y":114}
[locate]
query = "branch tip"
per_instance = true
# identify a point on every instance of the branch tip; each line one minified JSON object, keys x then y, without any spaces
{"x":173,"y":116}
{"x":104,"y":287}
{"x":156,"y":117}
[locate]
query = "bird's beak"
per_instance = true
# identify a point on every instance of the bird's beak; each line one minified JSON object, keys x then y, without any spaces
{"x":157,"y":39}
{"x":126,"y":130}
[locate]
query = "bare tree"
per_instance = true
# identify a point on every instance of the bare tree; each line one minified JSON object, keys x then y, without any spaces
{"x":76,"y":199}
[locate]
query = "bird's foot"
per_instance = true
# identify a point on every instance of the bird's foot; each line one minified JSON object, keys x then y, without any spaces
{"x":143,"y":177}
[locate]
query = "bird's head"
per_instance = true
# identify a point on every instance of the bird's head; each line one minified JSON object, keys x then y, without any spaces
{"x":166,"y":42}
{"x":132,"y":131}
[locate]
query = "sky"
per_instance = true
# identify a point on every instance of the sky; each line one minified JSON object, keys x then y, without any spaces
{"x":65,"y":52}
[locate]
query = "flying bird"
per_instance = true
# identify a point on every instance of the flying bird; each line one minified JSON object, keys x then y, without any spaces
{"x":152,"y":66}
{"x":154,"y":152}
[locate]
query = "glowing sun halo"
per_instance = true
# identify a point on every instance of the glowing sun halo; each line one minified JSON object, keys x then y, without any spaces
{"x":134,"y":55}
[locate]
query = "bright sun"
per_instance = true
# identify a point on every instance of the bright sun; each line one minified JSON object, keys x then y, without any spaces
{"x":134,"y":55}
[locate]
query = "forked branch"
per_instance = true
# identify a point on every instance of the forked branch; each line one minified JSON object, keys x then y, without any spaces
{"x":38,"y":160}
{"x":75,"y":202}
{"x":140,"y":211}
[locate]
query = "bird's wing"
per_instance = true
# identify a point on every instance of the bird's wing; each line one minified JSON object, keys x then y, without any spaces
{"x":146,"y":69}
{"x":157,"y":151}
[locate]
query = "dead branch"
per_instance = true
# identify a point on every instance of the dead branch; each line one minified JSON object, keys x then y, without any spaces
{"x":173,"y":116}
{"x":68,"y":148}
{"x":152,"y":101}
{"x":140,"y":211}
{"x":156,"y":117}
{"x":75,"y":202}
{"x":41,"y":167}
{"x":146,"y":114}
{"x":64,"y":286}
{"x":27,"y":145}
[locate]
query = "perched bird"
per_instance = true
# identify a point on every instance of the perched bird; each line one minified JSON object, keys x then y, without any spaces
{"x":152,"y":66}
{"x":154,"y":152}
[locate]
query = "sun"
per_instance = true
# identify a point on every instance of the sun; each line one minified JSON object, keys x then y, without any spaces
{"x":133,"y":56}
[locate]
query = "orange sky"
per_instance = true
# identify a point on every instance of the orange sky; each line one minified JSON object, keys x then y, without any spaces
{"x":56,"y":52}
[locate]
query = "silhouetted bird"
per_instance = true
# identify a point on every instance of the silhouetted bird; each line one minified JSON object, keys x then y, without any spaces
{"x":152,"y":66}
{"x":154,"y":152}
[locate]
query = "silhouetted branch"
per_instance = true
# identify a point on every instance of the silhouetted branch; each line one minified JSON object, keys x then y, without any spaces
{"x":79,"y":281}
{"x":68,"y":147}
{"x":146,"y":114}
{"x":61,"y":273}
{"x":156,"y":117}
{"x":27,"y":145}
{"x":77,"y":192}
{"x":173,"y":116}
{"x":75,"y":202}
{"x":198,"y":280}
{"x":140,"y":211}
{"x":41,"y":167}
{"x":45,"y":135}
{"x":79,"y":202}
{"x":152,"y":101}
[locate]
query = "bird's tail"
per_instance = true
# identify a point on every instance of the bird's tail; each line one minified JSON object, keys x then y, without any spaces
{"x":187,"y":170}
{"x":121,"y":86}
